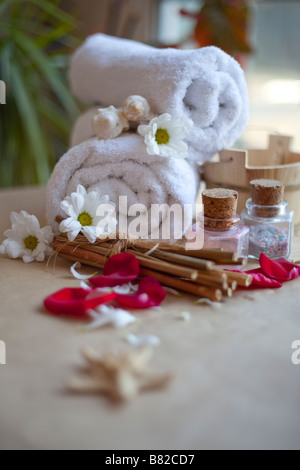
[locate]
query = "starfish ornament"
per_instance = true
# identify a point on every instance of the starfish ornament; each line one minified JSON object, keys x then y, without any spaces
{"x":119,"y":376}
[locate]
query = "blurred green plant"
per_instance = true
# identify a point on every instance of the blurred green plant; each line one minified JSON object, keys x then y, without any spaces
{"x":36,"y":37}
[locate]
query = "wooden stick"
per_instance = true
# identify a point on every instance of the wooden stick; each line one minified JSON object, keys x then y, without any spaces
{"x":86,"y":256}
{"x":215,"y":295}
{"x":222,"y":257}
{"x":228,"y":292}
{"x":180,"y":271}
{"x":233,"y":285}
{"x":211,"y":281}
{"x":242,"y":279}
{"x":74,"y":258}
{"x":200,"y":264}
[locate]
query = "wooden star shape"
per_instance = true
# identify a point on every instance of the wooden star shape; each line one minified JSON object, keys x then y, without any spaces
{"x":121,"y":376}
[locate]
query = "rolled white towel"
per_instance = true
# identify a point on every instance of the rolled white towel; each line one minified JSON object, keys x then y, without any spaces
{"x":122,"y":167}
{"x":206,"y":85}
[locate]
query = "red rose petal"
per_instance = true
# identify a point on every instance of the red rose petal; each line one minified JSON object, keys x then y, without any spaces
{"x":260,"y":280}
{"x":279,"y":269}
{"x":273,"y":273}
{"x":119,"y":269}
{"x":272,"y":269}
{"x":150,"y":294}
{"x":73,"y":302}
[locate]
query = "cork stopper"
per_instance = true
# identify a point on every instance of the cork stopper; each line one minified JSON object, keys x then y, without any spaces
{"x":266,"y":192}
{"x":220,"y":203}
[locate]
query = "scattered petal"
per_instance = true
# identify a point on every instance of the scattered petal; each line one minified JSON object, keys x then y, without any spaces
{"x":171,"y":291}
{"x":81,"y":277}
{"x":125,"y":289}
{"x":143,"y":340}
{"x":150,"y":294}
{"x":209,"y":302}
{"x":100,"y":291}
{"x":84,"y":285}
{"x":74,"y":302}
{"x":109,"y":316}
{"x":272,"y":273}
{"x":261,"y":281}
{"x":186,"y":316}
{"x":279,"y":269}
{"x":118,"y":270}
{"x":148,"y":253}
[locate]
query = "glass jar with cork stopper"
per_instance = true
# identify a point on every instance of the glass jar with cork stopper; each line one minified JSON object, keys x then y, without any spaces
{"x":221,"y":223}
{"x":269,"y":220}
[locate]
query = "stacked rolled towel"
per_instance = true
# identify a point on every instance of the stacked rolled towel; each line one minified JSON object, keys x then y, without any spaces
{"x":122,"y":167}
{"x":205,"y":85}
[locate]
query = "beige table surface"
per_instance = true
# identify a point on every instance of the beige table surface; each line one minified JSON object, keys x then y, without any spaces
{"x":234,"y":387}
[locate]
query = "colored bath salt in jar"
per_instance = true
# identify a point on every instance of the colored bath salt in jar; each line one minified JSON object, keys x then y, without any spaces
{"x":221,"y":223}
{"x":269,"y":220}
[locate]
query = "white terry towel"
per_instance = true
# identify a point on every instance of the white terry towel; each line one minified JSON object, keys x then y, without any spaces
{"x":206,"y":85}
{"x":122,"y":167}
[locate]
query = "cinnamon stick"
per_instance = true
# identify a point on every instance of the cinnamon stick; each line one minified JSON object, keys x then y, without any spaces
{"x":212,"y":281}
{"x":199,"y":264}
{"x":76,"y":252}
{"x":242,"y":279}
{"x":214,"y":294}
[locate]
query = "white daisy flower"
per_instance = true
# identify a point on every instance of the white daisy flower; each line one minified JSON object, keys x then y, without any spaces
{"x":85,"y":211}
{"x":164,"y":136}
{"x":26,"y":239}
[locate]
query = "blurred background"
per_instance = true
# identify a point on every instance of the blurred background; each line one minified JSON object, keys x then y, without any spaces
{"x":37,"y":37}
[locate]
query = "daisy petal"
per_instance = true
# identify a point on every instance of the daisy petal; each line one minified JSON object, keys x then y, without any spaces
{"x":81,"y":277}
{"x":90,"y":233}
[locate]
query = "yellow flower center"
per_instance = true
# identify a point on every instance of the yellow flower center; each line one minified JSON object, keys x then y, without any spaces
{"x":31,"y":242}
{"x":85,"y":219}
{"x":162,"y":136}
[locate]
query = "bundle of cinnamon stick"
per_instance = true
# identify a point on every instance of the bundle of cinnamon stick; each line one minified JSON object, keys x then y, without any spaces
{"x":194,"y":272}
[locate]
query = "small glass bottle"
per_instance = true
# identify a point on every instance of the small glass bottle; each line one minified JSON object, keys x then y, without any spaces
{"x":269,"y":220}
{"x":221,"y":223}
